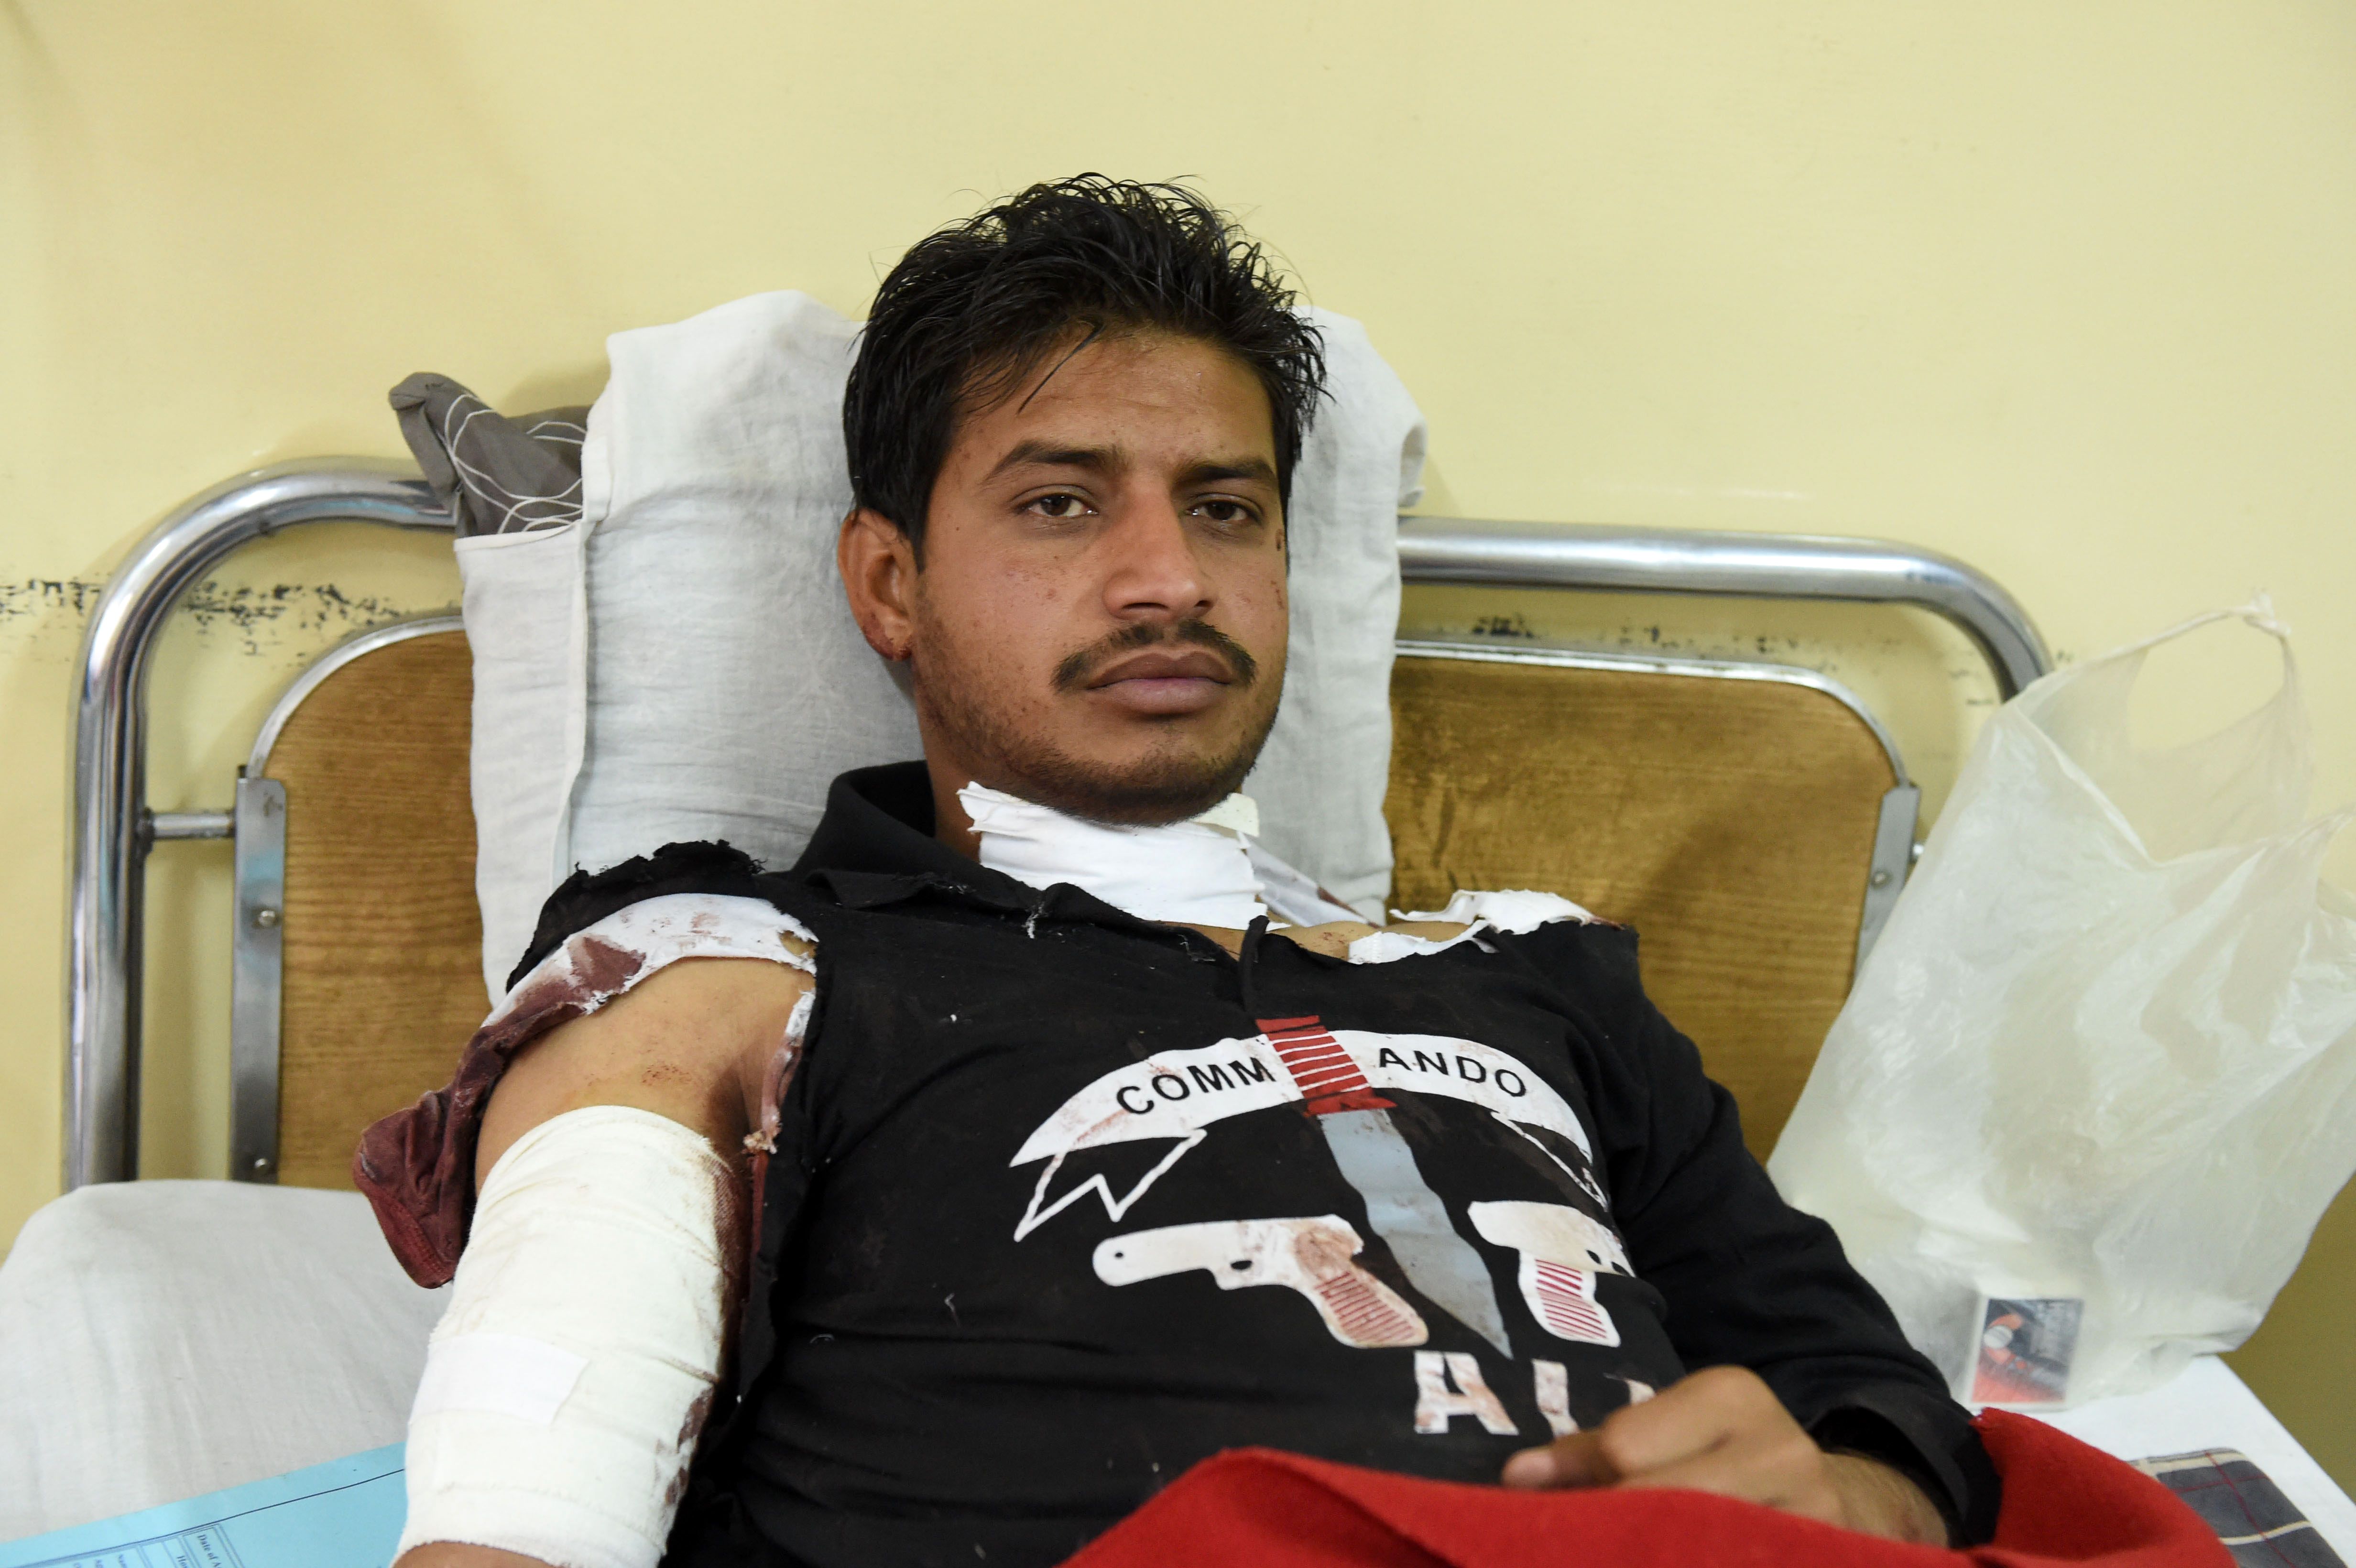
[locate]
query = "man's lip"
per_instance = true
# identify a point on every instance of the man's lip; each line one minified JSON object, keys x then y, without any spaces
{"x":1158,"y":665}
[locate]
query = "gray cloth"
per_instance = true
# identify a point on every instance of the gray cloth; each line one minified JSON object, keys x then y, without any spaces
{"x":497,"y":476}
{"x":2261,"y":1527}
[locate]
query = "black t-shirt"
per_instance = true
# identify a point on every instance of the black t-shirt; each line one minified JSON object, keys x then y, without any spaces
{"x":1065,"y":1202}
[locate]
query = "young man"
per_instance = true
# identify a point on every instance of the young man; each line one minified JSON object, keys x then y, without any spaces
{"x":1064,"y":1167}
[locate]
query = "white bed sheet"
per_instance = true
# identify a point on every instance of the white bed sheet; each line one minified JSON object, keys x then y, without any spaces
{"x":161,"y":1340}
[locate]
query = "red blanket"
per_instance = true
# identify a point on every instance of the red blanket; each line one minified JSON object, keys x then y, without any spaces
{"x":2063,"y":1503}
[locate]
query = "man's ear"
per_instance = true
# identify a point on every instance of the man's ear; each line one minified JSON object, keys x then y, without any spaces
{"x":878,"y":563}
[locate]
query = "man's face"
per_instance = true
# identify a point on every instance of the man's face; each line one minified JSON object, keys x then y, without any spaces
{"x":1099,"y":620}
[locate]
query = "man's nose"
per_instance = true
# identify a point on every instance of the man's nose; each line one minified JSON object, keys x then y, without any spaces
{"x":1155,"y":574}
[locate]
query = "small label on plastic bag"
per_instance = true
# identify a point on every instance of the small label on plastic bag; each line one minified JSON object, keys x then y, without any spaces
{"x":2026,"y":1343}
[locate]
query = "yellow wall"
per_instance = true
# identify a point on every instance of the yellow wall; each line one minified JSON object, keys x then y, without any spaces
{"x":2060,"y":288}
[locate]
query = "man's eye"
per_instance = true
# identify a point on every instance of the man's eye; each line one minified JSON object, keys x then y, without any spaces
{"x":1229,"y":514}
{"x":1060,"y":506}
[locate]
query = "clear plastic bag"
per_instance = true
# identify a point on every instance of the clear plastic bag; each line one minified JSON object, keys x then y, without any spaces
{"x":2097,"y":1081}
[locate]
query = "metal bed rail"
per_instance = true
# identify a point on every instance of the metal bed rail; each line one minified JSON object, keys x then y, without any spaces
{"x":1750,"y":566}
{"x":113,"y":829}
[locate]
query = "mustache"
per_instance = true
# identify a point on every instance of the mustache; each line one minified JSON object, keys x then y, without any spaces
{"x":1072,"y":674}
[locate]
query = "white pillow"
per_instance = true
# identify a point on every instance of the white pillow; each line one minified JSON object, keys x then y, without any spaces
{"x":704,"y":678}
{"x":728,"y":684}
{"x":526,"y":608}
{"x":1320,"y":779}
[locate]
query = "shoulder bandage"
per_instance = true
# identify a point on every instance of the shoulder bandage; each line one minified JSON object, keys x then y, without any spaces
{"x":638,"y":941}
{"x":565,"y":1386}
{"x":1515,"y":912}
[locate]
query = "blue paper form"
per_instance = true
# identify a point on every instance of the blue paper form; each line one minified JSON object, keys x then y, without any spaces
{"x":345,"y":1513}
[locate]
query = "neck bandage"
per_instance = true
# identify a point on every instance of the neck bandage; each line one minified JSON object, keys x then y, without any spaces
{"x":1196,"y":872}
{"x":566,"y":1385}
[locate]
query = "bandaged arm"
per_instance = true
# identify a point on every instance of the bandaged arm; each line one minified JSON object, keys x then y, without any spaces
{"x":565,"y":1386}
{"x":567,"y":1382}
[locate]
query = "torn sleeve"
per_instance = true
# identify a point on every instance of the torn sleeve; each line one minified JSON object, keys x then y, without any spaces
{"x":599,"y":938}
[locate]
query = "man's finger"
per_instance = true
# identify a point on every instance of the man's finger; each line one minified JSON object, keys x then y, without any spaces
{"x":1690,"y":1418}
{"x":1780,"y":1471}
{"x":1674,"y":1426}
{"x":1577,"y":1460}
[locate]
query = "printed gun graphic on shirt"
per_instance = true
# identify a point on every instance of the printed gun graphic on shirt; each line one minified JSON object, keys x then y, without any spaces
{"x":1562,"y":1252}
{"x":1313,"y":1255}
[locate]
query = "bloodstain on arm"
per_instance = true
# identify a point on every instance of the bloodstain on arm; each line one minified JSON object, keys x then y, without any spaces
{"x":695,"y":1041}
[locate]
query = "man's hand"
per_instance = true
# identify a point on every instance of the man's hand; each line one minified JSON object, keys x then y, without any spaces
{"x":1722,"y":1430}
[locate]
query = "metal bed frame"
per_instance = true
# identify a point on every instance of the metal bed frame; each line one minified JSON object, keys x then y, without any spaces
{"x":113,"y":829}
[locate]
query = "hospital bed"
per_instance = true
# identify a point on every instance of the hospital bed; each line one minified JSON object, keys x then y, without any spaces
{"x":1755,"y":821}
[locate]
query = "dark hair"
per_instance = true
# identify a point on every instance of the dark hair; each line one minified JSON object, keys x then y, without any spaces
{"x":973,"y":307}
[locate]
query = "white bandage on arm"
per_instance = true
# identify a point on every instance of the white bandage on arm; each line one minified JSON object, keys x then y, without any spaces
{"x":567,"y":1382}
